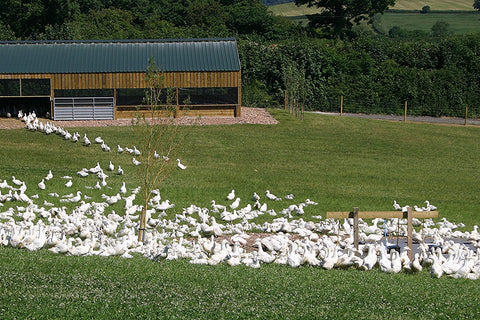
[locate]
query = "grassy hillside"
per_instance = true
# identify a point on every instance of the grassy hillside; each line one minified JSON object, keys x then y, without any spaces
{"x":468,"y":21}
{"x":458,"y":22}
{"x":290,"y":9}
{"x":464,"y":5}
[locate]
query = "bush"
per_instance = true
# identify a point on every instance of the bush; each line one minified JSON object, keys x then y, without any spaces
{"x":425,"y":9}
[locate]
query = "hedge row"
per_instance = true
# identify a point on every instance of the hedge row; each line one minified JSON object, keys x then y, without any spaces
{"x":437,"y":77}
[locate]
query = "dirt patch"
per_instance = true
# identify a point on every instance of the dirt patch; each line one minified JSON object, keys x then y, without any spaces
{"x":248,"y":115}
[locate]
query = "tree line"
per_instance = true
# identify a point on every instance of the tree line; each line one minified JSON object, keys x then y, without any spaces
{"x":437,"y":75}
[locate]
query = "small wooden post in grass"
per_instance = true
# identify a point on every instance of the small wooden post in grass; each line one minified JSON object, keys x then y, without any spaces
{"x":177,"y":108}
{"x":410,"y":232}
{"x":405,"y":112}
{"x":466,"y":113}
{"x":341,"y":106}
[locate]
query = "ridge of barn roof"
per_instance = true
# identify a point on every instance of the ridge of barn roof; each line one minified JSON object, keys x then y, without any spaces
{"x":98,"y":56}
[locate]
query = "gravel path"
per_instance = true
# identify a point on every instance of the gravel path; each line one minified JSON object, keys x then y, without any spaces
{"x":249,"y":115}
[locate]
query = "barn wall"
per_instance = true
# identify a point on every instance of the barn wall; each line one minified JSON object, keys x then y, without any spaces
{"x":137,"y":80}
{"x":134,"y":80}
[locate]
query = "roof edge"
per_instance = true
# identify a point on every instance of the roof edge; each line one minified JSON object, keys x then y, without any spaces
{"x":116,"y":41}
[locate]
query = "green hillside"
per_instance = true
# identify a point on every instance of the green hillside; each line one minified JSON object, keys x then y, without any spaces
{"x":463,"y":20}
{"x":290,"y":9}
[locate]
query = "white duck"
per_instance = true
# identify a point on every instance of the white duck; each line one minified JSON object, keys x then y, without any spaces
{"x":41,"y":184}
{"x":396,"y":206}
{"x":180,"y":165}
{"x":371,"y":259}
{"x":16,"y":181}
{"x":271,"y":196}
{"x":235,"y":204}
{"x":136,"y":151}
{"x":86,"y":141}
{"x":123,"y":188}
{"x":294,"y":259}
{"x":262,"y":255}
{"x":136,"y":162}
{"x":231,"y":195}
{"x":430,"y":207}
{"x":49,"y":175}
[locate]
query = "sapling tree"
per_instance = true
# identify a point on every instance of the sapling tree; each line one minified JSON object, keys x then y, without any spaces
{"x":157,"y":136}
{"x":295,"y":83}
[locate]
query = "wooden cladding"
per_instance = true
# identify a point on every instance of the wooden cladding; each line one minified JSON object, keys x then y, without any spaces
{"x":134,"y":80}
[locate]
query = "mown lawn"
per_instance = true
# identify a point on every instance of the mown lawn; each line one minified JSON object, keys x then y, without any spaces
{"x":338,"y":162}
{"x":42,"y":285}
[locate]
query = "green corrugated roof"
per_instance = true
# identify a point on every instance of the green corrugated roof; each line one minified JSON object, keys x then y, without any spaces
{"x":118,"y":56}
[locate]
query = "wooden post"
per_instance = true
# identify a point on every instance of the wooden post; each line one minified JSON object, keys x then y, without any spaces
{"x":405,"y":112}
{"x":410,"y":232}
{"x":466,"y":113}
{"x":177,"y":109}
{"x":355,"y":227}
{"x":286,"y":100}
{"x":341,"y":106}
{"x":303,"y":110}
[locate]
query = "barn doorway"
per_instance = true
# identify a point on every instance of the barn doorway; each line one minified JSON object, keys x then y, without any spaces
{"x":9,"y":107}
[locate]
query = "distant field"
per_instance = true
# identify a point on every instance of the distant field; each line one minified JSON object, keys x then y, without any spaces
{"x":460,"y":22}
{"x":291,"y":10}
{"x":464,"y":5}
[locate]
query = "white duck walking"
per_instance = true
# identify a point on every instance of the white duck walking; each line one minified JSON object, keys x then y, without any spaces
{"x":41,"y":184}
{"x":180,"y":165}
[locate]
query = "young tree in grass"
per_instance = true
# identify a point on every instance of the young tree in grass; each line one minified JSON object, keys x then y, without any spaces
{"x":158,"y":138}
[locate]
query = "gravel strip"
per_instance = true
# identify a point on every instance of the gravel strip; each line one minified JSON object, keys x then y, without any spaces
{"x":249,"y":115}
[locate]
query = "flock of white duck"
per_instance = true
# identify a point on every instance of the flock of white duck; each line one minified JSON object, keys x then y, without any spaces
{"x":92,"y":228}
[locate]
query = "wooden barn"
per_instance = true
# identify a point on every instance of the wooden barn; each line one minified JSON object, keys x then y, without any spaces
{"x":96,"y":79}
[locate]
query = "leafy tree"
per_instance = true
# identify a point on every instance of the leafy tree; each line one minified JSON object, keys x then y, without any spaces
{"x":339,"y":16}
{"x":476,"y":5}
{"x":106,"y":24}
{"x":6,"y":33}
{"x":249,"y":18}
{"x":425,"y":9}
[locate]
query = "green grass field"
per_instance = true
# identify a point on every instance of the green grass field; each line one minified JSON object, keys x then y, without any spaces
{"x":459,"y":22}
{"x":291,"y":10}
{"x":41,"y":285}
{"x":338,"y":162}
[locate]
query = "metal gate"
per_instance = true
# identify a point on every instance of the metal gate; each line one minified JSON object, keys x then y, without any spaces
{"x":84,"y":108}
